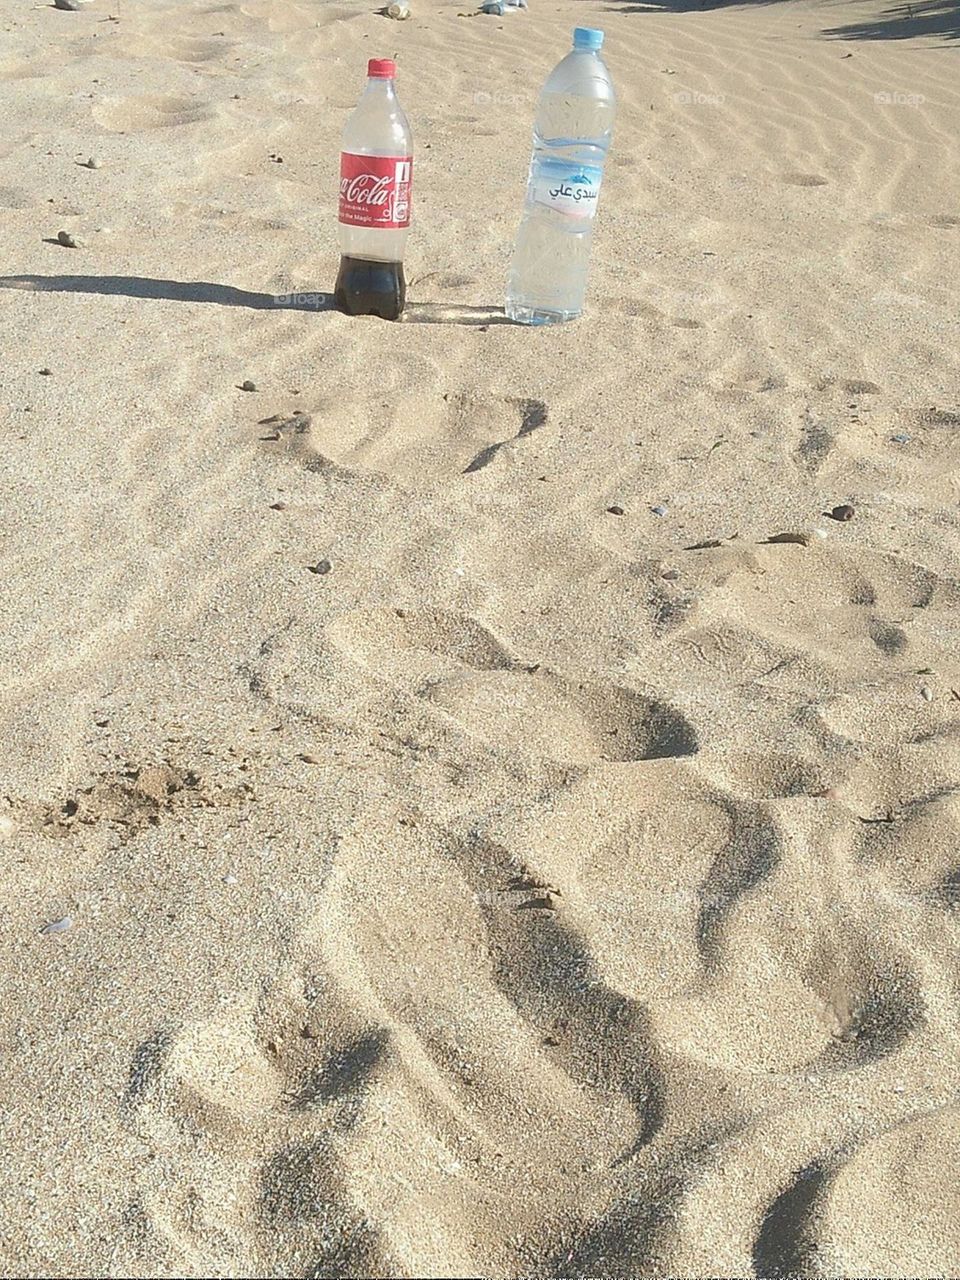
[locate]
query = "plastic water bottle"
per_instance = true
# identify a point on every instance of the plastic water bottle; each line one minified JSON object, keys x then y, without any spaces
{"x":571,"y":136}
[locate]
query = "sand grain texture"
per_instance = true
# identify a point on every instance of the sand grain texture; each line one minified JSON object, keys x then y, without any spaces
{"x":519,"y":891}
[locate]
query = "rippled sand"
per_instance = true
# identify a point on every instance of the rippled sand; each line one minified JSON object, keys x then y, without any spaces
{"x":531,"y":893}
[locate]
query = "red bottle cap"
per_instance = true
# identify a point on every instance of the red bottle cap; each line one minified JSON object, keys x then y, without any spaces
{"x":382,"y":68}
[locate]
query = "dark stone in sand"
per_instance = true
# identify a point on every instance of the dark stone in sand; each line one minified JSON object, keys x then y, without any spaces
{"x":844,"y":512}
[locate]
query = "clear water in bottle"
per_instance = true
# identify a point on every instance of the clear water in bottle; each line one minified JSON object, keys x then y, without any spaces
{"x":571,"y":137}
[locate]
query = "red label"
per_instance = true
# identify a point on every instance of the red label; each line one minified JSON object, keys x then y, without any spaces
{"x":375,"y":190}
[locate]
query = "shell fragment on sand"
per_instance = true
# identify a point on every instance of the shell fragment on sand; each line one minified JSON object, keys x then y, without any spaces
{"x":58,"y":926}
{"x":803,"y":538}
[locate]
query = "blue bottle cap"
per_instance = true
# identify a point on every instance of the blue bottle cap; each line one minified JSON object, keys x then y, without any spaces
{"x":587,"y":38}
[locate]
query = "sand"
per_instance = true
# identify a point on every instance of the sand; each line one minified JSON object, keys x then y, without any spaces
{"x":530,"y":894}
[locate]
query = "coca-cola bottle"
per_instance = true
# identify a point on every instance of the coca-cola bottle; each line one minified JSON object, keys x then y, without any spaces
{"x":376,"y":166}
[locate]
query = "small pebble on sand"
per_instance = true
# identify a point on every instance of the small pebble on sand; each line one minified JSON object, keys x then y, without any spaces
{"x":93,"y":163}
{"x":321,"y":567}
{"x":614,"y":511}
{"x":229,"y":878}
{"x":70,"y":5}
{"x":46,"y":373}
{"x":67,"y":240}
{"x":926,"y":693}
{"x":247,"y":385}
{"x":659,"y":510}
{"x":900,"y":438}
{"x":843,"y":512}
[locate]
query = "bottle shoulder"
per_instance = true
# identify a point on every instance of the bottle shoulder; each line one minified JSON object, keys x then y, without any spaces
{"x":581,"y":74}
{"x":373,"y":133}
{"x":378,"y":126}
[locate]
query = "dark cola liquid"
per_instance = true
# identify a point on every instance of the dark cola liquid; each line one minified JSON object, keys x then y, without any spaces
{"x":368,"y":288}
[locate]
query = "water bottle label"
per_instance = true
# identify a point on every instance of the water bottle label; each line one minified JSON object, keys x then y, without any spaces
{"x":570,"y":189}
{"x":375,"y":191}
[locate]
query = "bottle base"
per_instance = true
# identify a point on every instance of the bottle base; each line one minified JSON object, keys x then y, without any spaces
{"x":538,"y":315}
{"x":369,"y":287}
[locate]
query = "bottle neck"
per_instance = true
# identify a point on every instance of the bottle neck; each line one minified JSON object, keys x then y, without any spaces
{"x":381,"y":86}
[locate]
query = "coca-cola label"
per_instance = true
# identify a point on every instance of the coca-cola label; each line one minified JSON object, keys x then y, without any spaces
{"x":375,"y":190}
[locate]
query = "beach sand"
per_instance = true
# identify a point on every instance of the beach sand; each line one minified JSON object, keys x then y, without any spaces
{"x":529,"y":893}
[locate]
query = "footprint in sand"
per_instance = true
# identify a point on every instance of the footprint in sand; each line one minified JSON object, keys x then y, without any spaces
{"x":797,"y":179}
{"x":412,"y":439}
{"x":643,"y":311}
{"x":834,"y":1214}
{"x":917,"y":851}
{"x":938,"y":418}
{"x":455,"y":664}
{"x":860,"y":387}
{"x":653,"y":315}
{"x":15,"y":198}
{"x":786,"y":1243}
{"x":247,"y":1108}
{"x":874,"y":1015}
{"x":178,"y":49}
{"x":889,"y":638}
{"x":892,"y":1208}
{"x":151,"y":111}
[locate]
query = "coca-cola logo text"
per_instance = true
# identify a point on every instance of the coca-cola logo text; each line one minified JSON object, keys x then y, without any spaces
{"x":366,"y":188}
